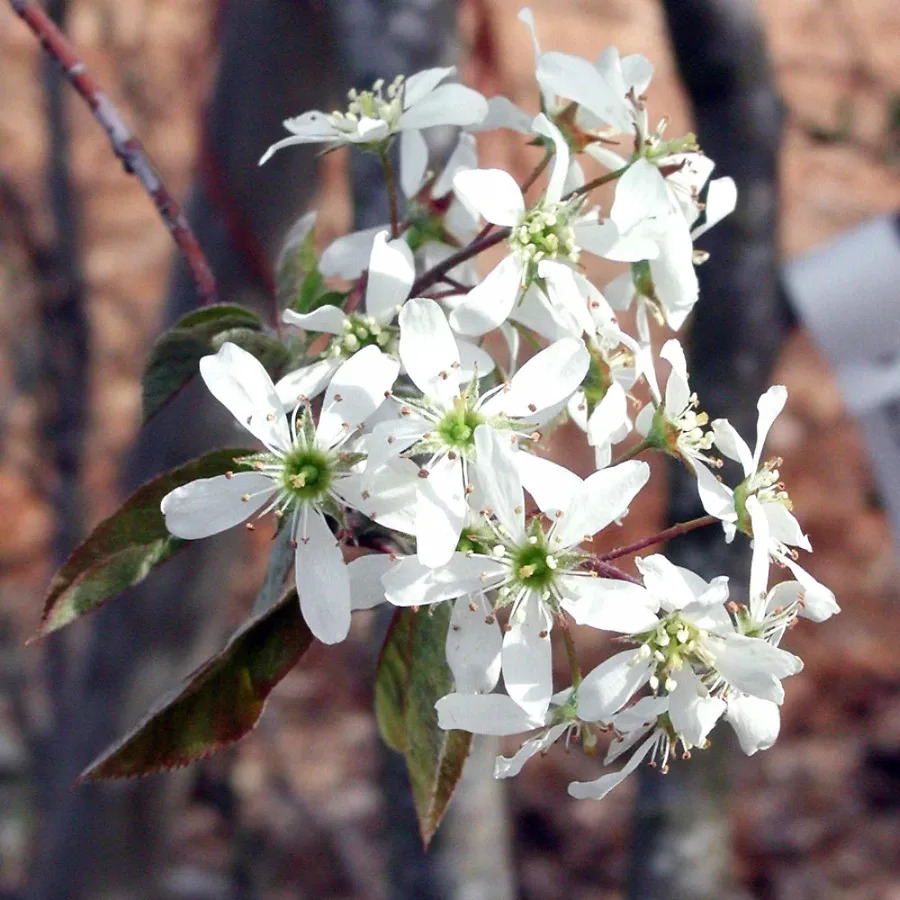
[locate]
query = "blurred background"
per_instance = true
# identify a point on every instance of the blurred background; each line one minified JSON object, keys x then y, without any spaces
{"x":799,"y":101}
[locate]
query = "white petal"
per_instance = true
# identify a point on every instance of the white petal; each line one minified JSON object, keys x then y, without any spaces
{"x":294,"y":140}
{"x":210,"y":505}
{"x":755,"y":722}
{"x":608,"y":687}
{"x":473,"y":645}
{"x":428,"y":350}
{"x":608,"y":423}
{"x":716,"y":498}
{"x":354,"y":393}
{"x":507,"y":767}
{"x":463,"y":157}
{"x":640,"y":195}
{"x":608,"y":603}
{"x":489,"y":304}
{"x":692,"y":710}
{"x":473,"y":361}
{"x":721,"y":199}
{"x":366,"y":590}
{"x":494,"y":714}
{"x":387,"y":495}
{"x":548,"y":378}
{"x":306,"y":383}
{"x":678,"y":393}
{"x":604,"y":498}
{"x":563,"y":291}
{"x":327,"y":319}
{"x":553,"y":486}
{"x":409,"y":583}
{"x":597,"y":790}
{"x":492,"y":193}
{"x":784,"y":527}
{"x":674,"y":273}
{"x":440,"y":512}
{"x":769,"y":405}
{"x":388,"y":439}
{"x":576,"y":79}
{"x":733,"y":445}
{"x":423,"y":83}
{"x":413,"y":161}
{"x":323,"y":583}
{"x":348,"y":256}
{"x":754,"y":666}
{"x":527,"y":660}
{"x":665,"y":581}
{"x":499,"y":479}
{"x":239,"y":382}
{"x":819,"y":602}
{"x":448,"y":104}
{"x":542,"y":125}
{"x":391,"y":274}
{"x":503,"y":113}
{"x":759,"y":562}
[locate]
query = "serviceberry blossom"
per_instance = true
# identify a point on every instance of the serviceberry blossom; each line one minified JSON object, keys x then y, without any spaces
{"x":536,"y":572}
{"x":391,"y":274}
{"x":762,"y":481}
{"x":403,"y":433}
{"x":439,"y":424}
{"x":404,"y":107}
{"x":302,"y":474}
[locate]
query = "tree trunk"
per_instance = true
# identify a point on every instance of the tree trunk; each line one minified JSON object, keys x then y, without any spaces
{"x":682,"y":845}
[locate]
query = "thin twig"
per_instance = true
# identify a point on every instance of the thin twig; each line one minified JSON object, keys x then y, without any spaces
{"x":608,"y":570}
{"x":126,"y":146}
{"x":391,"y":185}
{"x":436,"y":274}
{"x":658,"y":538}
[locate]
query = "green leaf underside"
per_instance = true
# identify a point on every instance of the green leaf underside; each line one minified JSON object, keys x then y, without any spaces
{"x":123,"y":549}
{"x":175,"y":357}
{"x":391,"y":680}
{"x":217,"y":704}
{"x":434,"y":757}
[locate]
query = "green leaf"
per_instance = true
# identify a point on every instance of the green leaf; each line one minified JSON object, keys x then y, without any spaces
{"x":216,"y":704}
{"x":265,"y":347}
{"x":434,"y":757}
{"x":412,"y":676}
{"x":392,"y":679}
{"x":123,"y":549}
{"x":299,"y":283}
{"x":175,"y":357}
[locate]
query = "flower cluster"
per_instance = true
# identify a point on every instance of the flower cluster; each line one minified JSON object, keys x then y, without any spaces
{"x":400,"y":412}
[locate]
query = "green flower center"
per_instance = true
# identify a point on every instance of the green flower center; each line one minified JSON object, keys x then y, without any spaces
{"x":307,"y":474}
{"x":385,"y":103}
{"x":357,"y":332}
{"x":457,"y":428}
{"x":545,"y":233}
{"x":534,"y":566}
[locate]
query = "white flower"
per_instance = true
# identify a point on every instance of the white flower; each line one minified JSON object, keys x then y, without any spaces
{"x":500,"y":715}
{"x":536,"y":573}
{"x":543,"y":241}
{"x":391,"y":274}
{"x":673,"y":424}
{"x":405,"y":107}
{"x":442,"y":421}
{"x":303,"y":472}
{"x":761,"y":480}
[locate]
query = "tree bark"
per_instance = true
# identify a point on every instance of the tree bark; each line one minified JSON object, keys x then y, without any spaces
{"x":682,"y":842}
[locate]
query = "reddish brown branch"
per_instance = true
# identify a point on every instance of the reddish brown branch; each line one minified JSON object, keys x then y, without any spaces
{"x":126,"y":146}
{"x":659,"y":538}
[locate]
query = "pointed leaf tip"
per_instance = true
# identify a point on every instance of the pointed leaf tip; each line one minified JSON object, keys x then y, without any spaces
{"x":217,"y":704}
